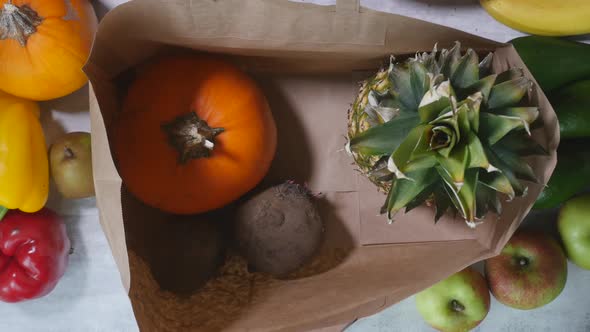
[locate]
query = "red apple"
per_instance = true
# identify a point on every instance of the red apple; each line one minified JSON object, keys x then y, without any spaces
{"x":530,"y":271}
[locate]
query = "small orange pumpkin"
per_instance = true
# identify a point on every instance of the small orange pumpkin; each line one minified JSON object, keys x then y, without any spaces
{"x":43,"y":46}
{"x":194,"y":134}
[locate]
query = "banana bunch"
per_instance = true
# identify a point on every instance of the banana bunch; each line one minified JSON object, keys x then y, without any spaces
{"x":542,"y":17}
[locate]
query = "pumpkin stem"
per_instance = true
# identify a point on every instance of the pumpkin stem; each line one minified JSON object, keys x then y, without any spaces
{"x":18,"y":23}
{"x":191,"y":136}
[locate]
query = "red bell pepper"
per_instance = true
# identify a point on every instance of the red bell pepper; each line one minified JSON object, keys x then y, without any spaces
{"x":34,"y":250}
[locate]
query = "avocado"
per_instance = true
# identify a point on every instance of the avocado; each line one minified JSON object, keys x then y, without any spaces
{"x":571,"y":175}
{"x":572,"y":106}
{"x":554,"y":62}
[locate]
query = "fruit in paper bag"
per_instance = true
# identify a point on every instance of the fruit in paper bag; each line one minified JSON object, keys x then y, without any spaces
{"x":194,"y":134}
{"x":190,"y":250}
{"x":574,"y":228}
{"x":183,"y":252}
{"x":34,"y":250}
{"x":441,"y":127}
{"x":530,"y":272}
{"x":279,"y":229}
{"x":24,"y":170}
{"x":71,"y":165}
{"x":554,"y":62}
{"x":542,"y":17}
{"x":43,"y":46}
{"x":456,"y":304}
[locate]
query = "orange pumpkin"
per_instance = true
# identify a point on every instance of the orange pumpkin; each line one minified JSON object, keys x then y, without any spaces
{"x":194,"y":134}
{"x":43,"y":46}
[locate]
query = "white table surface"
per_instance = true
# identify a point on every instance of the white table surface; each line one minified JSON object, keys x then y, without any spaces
{"x":90,"y":296}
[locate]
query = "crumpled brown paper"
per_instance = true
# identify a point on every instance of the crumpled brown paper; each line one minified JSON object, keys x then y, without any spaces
{"x":308,"y":60}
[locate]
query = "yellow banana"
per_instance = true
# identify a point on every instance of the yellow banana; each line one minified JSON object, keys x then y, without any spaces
{"x":542,"y":17}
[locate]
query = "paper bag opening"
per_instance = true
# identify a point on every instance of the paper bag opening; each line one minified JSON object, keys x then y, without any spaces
{"x":308,"y":66}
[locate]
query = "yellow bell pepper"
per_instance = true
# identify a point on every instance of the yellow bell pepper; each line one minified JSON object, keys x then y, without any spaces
{"x":24,"y":168}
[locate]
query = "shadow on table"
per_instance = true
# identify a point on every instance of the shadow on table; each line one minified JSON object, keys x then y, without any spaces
{"x":72,"y":103}
{"x":580,"y":38}
{"x":100,"y":8}
{"x":69,"y":207}
{"x":449,"y":3}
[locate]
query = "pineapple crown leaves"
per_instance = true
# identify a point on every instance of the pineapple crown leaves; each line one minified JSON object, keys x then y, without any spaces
{"x":447,"y":130}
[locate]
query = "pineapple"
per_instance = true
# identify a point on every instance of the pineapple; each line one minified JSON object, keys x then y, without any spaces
{"x":441,"y":128}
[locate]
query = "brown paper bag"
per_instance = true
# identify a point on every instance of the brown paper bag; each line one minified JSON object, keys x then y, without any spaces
{"x":308,"y":60}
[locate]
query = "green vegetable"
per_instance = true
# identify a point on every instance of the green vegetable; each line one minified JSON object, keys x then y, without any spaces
{"x":554,"y":62}
{"x":571,"y":175}
{"x":572,"y":106}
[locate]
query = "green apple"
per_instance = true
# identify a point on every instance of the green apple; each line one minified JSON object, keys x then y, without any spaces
{"x":70,"y":160}
{"x":530,"y":272}
{"x":456,"y":304}
{"x":574,"y":228}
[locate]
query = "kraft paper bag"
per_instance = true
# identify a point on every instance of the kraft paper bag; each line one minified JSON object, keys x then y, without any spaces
{"x":308,"y":60}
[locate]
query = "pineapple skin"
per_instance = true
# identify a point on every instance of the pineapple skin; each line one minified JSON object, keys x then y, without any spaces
{"x":358,"y":123}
